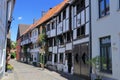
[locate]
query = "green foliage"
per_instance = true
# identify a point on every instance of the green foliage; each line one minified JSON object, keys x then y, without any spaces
{"x":42,"y":38}
{"x":9,"y":67}
{"x":95,"y":63}
{"x":13,"y":45}
{"x":24,"y":49}
{"x":13,"y":55}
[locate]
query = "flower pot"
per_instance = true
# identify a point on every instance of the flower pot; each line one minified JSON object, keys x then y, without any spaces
{"x":42,"y":65}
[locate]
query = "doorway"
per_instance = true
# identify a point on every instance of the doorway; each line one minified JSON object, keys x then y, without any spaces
{"x":81,"y":56}
{"x":69,"y":61}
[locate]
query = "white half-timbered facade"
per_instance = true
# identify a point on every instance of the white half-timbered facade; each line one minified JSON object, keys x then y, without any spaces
{"x":80,"y":23}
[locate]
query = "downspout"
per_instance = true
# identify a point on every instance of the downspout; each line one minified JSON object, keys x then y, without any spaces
{"x":90,"y":37}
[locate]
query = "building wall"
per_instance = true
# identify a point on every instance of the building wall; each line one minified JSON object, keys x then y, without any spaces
{"x":3,"y":8}
{"x":6,"y":7}
{"x":18,"y":49}
{"x":108,"y":25}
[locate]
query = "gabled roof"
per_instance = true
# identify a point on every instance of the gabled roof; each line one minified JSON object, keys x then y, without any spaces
{"x":48,"y":15}
{"x":21,"y":29}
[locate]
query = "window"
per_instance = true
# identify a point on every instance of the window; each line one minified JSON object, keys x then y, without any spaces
{"x":68,"y":36}
{"x":61,"y":57}
{"x":48,"y":27}
{"x":78,"y":32}
{"x":59,"y":18}
{"x":50,"y":42}
{"x":54,"y":42}
{"x":61,"y":40}
{"x":106,"y":55}
{"x":64,"y":14}
{"x":80,"y":6}
{"x":50,"y":57}
{"x":104,"y":7}
{"x":55,"y":59}
{"x":119,"y":3}
{"x":81,"y":31}
{"x":53,"y":25}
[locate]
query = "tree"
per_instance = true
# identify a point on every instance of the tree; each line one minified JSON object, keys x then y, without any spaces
{"x":42,"y":41}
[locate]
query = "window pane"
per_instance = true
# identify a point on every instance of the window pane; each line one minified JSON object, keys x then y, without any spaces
{"x":110,"y":58}
{"x":119,"y":3}
{"x":107,"y":6}
{"x":106,"y":55}
{"x":102,"y":8}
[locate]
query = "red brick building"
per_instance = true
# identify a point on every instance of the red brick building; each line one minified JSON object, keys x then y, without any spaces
{"x":21,"y":29}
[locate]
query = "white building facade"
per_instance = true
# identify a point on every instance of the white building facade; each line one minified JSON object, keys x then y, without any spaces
{"x":6,"y":8}
{"x":105,"y":19}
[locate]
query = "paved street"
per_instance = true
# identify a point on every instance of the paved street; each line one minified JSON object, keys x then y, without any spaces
{"x":24,"y":71}
{"x":28,"y":72}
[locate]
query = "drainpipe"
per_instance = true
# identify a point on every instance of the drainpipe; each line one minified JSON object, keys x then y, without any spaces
{"x":90,"y":37}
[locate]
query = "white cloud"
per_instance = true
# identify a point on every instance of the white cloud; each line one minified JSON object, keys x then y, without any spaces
{"x":19,"y":18}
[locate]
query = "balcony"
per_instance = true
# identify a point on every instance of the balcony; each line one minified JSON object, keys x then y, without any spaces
{"x":24,"y":42}
{"x":35,"y":50}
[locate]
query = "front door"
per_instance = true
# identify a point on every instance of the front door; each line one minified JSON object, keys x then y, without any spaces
{"x":69,"y":56}
{"x":81,"y":56}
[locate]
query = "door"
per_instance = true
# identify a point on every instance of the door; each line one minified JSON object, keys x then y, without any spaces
{"x":69,"y":56}
{"x":81,"y":56}
{"x":76,"y":51}
{"x":84,"y":57}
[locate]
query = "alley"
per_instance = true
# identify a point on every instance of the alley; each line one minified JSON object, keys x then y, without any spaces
{"x":24,"y":71}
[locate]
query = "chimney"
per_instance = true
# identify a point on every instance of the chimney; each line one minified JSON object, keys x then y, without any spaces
{"x":43,"y":13}
{"x":34,"y":20}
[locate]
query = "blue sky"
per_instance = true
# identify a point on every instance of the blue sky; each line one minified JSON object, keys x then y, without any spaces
{"x":26,"y":10}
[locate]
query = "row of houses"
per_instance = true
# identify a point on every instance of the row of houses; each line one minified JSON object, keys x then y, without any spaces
{"x":6,"y":9}
{"x":76,"y":31}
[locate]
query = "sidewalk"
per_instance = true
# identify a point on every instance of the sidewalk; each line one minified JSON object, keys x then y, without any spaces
{"x":8,"y":76}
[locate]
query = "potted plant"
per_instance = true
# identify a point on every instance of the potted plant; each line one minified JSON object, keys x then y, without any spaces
{"x":9,"y":68}
{"x":95,"y":64}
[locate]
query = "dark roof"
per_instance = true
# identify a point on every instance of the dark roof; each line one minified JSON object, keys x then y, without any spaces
{"x":21,"y":29}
